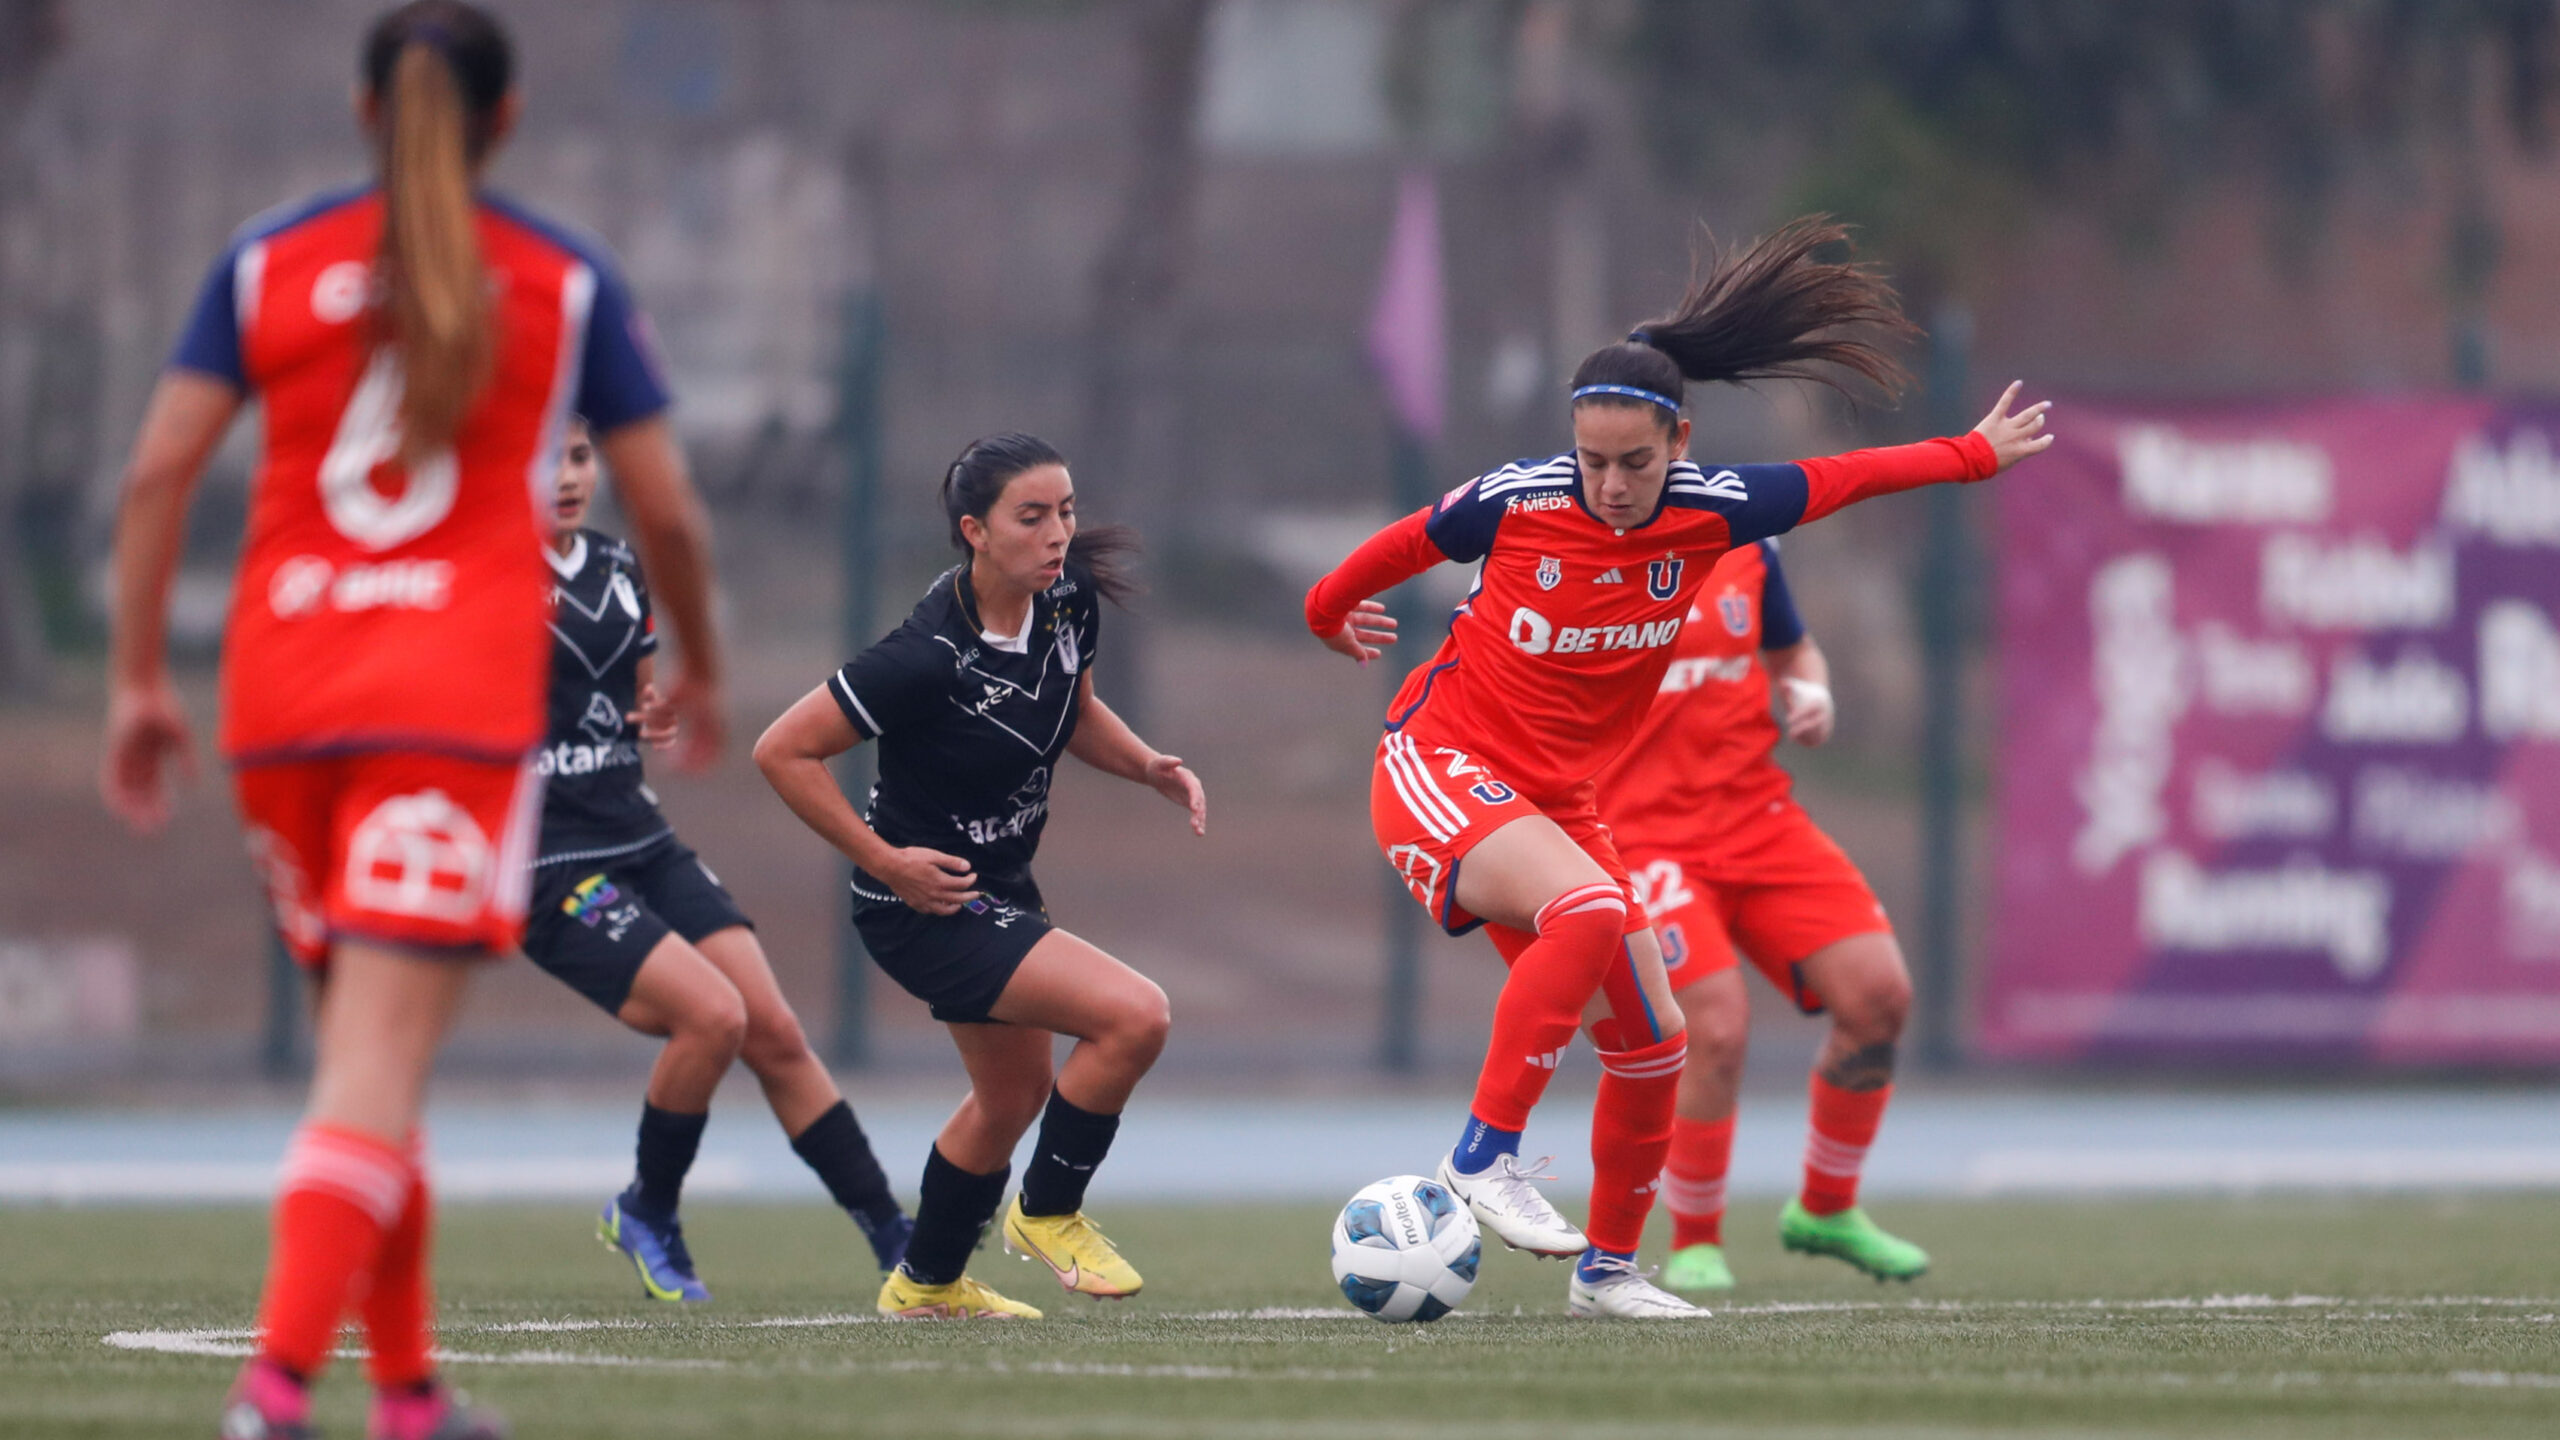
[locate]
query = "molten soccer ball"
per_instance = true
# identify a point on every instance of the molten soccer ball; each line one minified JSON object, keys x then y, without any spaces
{"x":1405,"y":1249}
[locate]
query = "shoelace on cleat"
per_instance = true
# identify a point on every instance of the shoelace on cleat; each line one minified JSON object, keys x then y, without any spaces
{"x":1511,"y":1185}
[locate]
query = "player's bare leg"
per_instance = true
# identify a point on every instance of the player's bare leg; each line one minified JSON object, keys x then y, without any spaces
{"x":1120,"y":1020}
{"x":684,"y":997}
{"x":1530,"y":878}
{"x":804,"y":1097}
{"x":1718,"y":1011}
{"x":1867,"y":989}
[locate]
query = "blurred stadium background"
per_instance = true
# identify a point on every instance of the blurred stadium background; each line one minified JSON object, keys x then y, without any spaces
{"x":1157,"y":232}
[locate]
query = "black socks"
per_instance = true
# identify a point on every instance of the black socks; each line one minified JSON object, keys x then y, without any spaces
{"x":1072,"y":1142}
{"x":836,"y":1148}
{"x":668,"y":1141}
{"x":952,"y":1211}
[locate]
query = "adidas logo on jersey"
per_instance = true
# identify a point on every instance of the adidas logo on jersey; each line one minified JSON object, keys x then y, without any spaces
{"x":1610,"y":576}
{"x":1551,"y":1059}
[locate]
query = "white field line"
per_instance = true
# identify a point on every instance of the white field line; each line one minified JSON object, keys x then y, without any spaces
{"x":235,"y":1343}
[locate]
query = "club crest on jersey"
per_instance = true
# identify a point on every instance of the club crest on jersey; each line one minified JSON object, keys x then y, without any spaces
{"x":1662,"y":578}
{"x":1550,"y":572}
{"x":603,"y":720}
{"x":1735,"y":607}
{"x":1068,"y":659}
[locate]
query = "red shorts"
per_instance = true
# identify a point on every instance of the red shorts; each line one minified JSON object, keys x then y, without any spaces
{"x":427,"y":852}
{"x":1431,"y":804}
{"x":1784,"y":892}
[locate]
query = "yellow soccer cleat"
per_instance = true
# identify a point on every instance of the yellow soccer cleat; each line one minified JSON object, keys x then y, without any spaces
{"x":903,"y":1297}
{"x":1079,"y":1254}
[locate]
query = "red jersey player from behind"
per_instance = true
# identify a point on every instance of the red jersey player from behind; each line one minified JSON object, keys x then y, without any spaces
{"x":417,"y":348}
{"x":1483,"y":791}
{"x":1727,"y":864}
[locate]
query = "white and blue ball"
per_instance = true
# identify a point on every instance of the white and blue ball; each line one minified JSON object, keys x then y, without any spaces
{"x":1406,"y":1249}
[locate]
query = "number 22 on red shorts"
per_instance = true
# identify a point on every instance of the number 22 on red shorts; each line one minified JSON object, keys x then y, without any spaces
{"x":1431,"y":804}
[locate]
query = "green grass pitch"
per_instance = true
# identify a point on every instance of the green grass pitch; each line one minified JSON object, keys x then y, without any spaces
{"x":2281,"y":1317}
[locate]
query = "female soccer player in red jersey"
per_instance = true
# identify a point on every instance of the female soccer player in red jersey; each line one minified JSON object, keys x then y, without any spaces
{"x":417,"y":348}
{"x":1724,"y":860}
{"x":1482,"y":794}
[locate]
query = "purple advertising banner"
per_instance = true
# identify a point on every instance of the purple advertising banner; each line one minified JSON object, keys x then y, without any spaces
{"x":2279,"y":759}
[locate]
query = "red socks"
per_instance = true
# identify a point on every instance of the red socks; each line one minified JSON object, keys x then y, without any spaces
{"x":1631,"y":1126}
{"x":1693,"y":1185}
{"x":1552,"y":978}
{"x":340,"y":1191}
{"x":399,"y":1310}
{"x":1844,"y":1125}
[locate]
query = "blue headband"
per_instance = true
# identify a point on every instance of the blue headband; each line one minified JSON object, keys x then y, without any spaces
{"x":1632,"y":393}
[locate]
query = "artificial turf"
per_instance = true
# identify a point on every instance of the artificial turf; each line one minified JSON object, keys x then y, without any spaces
{"x":2326,"y":1317}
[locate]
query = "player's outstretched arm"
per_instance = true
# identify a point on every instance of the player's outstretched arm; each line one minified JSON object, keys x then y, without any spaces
{"x":1835,"y":482}
{"x":1339,"y":610}
{"x":673,"y":534}
{"x":1104,"y":741}
{"x":147,"y":736}
{"x":793,"y":753}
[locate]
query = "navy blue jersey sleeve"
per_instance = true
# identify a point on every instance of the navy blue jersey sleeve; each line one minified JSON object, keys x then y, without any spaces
{"x":892,"y":685}
{"x":619,"y":379}
{"x":210,"y":345}
{"x":1463,"y":524}
{"x":1757,"y":501}
{"x":1780,"y":625}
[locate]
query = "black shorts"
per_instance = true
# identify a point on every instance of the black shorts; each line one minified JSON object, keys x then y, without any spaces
{"x":958,"y":963}
{"x":592,"y":923}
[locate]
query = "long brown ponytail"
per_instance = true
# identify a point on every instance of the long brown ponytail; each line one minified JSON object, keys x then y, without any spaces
{"x":438,"y":69}
{"x":1770,"y":312}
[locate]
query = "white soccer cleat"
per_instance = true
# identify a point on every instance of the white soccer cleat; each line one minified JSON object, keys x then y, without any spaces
{"x":1506,"y":1203}
{"x":1625,"y":1293}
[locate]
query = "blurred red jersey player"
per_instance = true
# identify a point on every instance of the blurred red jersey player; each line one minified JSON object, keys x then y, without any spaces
{"x":1728,"y":865}
{"x":418,"y":348}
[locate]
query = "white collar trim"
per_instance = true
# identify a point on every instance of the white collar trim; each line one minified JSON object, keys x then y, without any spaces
{"x":1018,"y":643}
{"x":567,"y":566}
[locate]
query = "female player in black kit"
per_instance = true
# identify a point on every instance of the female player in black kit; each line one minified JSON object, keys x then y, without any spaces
{"x":973,"y":701}
{"x":627,"y":916}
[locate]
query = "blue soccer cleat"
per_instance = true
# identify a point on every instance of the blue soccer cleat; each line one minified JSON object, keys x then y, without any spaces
{"x":888,"y":1242}
{"x":656,"y":1248}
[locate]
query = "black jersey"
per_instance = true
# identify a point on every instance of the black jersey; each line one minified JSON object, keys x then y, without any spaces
{"x":970,"y":729}
{"x":595,"y":803}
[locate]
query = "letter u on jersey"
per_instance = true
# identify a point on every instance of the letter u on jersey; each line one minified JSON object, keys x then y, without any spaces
{"x":1662,"y":578}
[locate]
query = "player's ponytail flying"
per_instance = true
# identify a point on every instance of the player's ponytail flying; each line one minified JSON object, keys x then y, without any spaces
{"x":976,"y":481}
{"x":437,"y":71}
{"x":1770,"y":312}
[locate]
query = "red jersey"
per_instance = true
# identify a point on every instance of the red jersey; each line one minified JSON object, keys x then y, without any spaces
{"x":1555,"y":655}
{"x":379,"y":608}
{"x":1703,"y":759}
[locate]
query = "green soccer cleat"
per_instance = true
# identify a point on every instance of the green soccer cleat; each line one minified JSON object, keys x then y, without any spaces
{"x":1853,"y":1237}
{"x":1697,"y":1267}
